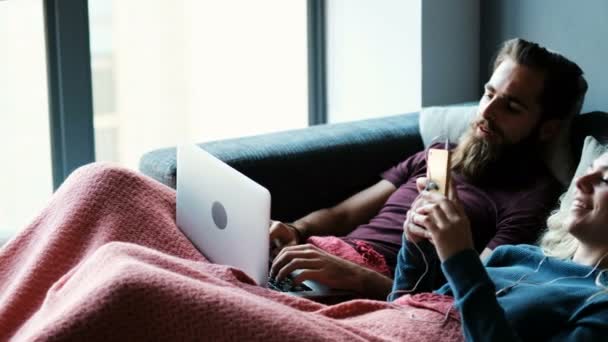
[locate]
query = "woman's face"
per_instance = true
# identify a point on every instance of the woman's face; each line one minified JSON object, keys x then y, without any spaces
{"x":588,"y":216}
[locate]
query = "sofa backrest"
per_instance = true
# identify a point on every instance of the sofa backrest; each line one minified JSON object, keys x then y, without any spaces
{"x":316,"y":167}
{"x":309,"y":168}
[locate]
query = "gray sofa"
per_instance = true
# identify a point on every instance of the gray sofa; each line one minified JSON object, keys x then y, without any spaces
{"x":318,"y":166}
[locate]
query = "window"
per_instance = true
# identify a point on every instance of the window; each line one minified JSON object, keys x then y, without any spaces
{"x":374,"y":62}
{"x":25,"y":175}
{"x":173,"y":72}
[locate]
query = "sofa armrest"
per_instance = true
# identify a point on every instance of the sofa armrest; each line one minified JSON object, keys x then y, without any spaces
{"x":310,"y":168}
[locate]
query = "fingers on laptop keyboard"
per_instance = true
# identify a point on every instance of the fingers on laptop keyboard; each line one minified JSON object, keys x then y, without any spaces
{"x":287,"y":285}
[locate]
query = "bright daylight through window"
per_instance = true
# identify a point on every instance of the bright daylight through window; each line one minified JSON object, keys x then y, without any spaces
{"x":188,"y":71}
{"x":25,"y":176}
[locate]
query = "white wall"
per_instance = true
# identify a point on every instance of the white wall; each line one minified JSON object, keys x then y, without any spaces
{"x":373,"y":58}
{"x":450,"y":51}
{"x":576,"y":29}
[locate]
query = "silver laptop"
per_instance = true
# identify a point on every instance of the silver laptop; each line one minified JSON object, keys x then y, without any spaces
{"x":226,"y":215}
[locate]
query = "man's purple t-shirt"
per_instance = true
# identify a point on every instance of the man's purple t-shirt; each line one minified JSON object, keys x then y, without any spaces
{"x":509,"y":208}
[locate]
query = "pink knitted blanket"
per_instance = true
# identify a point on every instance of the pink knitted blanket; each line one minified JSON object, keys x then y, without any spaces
{"x":105,"y":261}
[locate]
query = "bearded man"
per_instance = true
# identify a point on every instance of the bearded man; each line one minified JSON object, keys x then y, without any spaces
{"x":505,"y":188}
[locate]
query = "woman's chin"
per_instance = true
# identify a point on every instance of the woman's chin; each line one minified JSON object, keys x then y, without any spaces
{"x":572,"y":223}
{"x":578,"y":227}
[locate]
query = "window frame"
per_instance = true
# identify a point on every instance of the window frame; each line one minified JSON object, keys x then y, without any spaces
{"x":317,"y":75}
{"x":70,"y":84}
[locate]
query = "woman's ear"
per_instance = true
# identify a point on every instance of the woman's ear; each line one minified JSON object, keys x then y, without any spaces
{"x":549,"y":129}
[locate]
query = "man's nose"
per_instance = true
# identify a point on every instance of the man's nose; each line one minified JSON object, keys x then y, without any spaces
{"x":488,"y":111}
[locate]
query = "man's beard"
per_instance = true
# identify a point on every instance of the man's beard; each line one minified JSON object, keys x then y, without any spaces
{"x":474,"y":155}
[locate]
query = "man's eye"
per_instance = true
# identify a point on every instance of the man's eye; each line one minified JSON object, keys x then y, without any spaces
{"x":513,"y":107}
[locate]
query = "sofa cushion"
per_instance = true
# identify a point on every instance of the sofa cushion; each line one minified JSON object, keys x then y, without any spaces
{"x":439,"y":123}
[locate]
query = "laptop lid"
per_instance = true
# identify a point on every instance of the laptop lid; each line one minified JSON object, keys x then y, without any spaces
{"x":225,"y":214}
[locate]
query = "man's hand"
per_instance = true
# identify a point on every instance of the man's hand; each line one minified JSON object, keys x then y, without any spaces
{"x":281,"y":236}
{"x":445,"y":221}
{"x":317,"y":265}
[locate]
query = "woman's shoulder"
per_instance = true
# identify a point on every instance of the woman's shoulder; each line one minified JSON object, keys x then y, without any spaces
{"x":510,"y":253}
{"x":521,"y":249}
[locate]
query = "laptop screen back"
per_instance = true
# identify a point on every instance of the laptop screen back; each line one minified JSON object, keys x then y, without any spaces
{"x":225,"y":214}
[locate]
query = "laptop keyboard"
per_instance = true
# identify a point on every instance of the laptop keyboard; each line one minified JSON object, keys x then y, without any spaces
{"x":286,"y":285}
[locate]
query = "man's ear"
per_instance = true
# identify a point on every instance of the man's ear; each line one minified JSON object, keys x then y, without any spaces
{"x":549,"y":129}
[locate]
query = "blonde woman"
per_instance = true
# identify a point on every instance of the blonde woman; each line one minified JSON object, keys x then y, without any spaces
{"x":553,"y":292}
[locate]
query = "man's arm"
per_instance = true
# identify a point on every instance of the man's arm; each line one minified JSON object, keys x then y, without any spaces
{"x":347,"y":215}
{"x":333,"y":271}
{"x":357,"y":209}
{"x":340,"y":220}
{"x":321,"y":266}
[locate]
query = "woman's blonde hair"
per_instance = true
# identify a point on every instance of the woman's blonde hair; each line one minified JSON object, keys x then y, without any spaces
{"x":558,"y":242}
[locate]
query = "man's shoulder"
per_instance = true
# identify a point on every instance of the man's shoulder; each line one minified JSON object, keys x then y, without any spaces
{"x":420,"y":157}
{"x":538,"y":184}
{"x":544,"y":188}
{"x":417,"y":159}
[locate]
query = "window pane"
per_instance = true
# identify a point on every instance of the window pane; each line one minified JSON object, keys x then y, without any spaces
{"x":172,"y":72}
{"x":26,"y":173}
{"x":374,"y":58}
